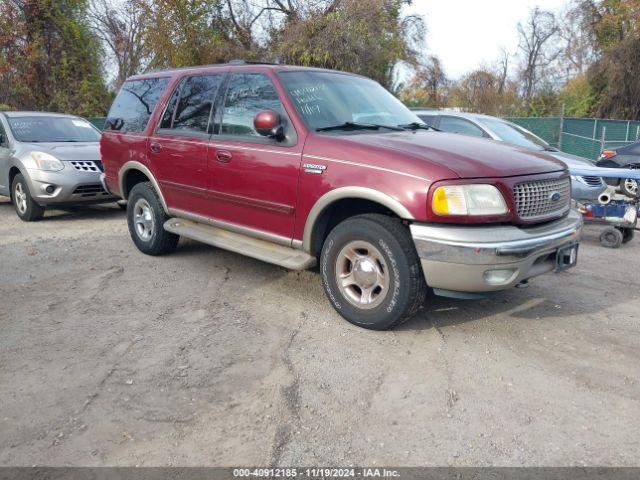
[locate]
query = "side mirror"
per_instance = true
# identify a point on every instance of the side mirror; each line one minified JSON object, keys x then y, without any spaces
{"x":269,"y":124}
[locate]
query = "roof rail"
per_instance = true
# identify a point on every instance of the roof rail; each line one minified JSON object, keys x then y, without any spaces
{"x":196,"y":67}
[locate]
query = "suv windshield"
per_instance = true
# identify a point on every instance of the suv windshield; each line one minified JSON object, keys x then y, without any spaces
{"x":326,"y":99}
{"x":511,"y":133}
{"x":53,"y":129}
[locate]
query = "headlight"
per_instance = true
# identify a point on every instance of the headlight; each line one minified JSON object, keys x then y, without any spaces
{"x":468,"y":200}
{"x":44,"y":161}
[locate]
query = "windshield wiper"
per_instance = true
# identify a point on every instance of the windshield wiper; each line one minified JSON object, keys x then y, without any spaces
{"x":418,"y":126}
{"x":357,"y":126}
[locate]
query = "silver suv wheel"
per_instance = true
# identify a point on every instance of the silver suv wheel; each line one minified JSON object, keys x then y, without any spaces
{"x":362,"y":275}
{"x":144,"y":220}
{"x":20,"y":198}
{"x":631,"y":186}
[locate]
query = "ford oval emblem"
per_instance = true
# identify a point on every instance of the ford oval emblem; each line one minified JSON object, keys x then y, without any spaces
{"x":555,"y":197}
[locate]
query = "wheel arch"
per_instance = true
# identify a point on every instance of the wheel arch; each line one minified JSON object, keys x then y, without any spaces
{"x":13,"y":171}
{"x":133,"y":173}
{"x":369,"y":201}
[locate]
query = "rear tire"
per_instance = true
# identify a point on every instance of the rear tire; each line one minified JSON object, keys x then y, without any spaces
{"x":371,"y":272}
{"x":146,"y":218}
{"x":611,"y":238}
{"x":26,"y":207}
{"x":627,"y":234}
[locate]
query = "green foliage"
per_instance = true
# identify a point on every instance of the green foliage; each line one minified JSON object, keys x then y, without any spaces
{"x":615,"y":81}
{"x":578,"y":97}
{"x":368,"y":37}
{"x":50,"y":58}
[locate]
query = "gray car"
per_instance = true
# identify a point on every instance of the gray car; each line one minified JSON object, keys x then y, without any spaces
{"x":583,"y":188}
{"x":49,"y":159}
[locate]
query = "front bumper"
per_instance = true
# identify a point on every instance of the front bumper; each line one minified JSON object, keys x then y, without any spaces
{"x":484,"y":259}
{"x":67,"y":186}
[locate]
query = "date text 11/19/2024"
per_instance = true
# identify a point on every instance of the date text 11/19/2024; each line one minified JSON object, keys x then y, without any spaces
{"x":316,"y":472}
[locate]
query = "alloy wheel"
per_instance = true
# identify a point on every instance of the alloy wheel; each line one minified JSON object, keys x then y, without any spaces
{"x":362,"y":274}
{"x":143,"y":219}
{"x":20,"y":198}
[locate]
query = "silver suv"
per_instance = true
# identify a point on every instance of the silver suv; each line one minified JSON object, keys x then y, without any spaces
{"x":49,"y":159}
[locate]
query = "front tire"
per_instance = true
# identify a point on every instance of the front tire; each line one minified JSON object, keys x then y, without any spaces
{"x":26,"y":207}
{"x":146,"y":218}
{"x":371,"y":272}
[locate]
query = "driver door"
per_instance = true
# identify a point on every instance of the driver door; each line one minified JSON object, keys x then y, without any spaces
{"x":254,"y":179}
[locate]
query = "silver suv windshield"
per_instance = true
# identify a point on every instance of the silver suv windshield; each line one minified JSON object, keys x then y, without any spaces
{"x":514,"y":134}
{"x":327,"y":101}
{"x":52,"y":129}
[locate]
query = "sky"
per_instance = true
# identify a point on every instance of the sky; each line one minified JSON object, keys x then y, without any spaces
{"x":468,"y":33}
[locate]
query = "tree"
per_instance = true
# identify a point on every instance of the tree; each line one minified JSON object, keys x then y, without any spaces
{"x":368,"y":37}
{"x":427,"y":87}
{"x":537,"y":47}
{"x":121,"y":27}
{"x":483,"y":91}
{"x":50,"y":57}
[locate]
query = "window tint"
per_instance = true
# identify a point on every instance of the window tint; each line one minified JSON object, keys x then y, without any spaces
{"x":459,"y":125}
{"x":167,"y":117}
{"x":248,"y":94}
{"x":134,"y":104}
{"x":195,"y":102}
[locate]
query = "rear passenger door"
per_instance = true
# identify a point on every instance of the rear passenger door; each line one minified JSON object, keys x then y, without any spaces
{"x":180,"y":146}
{"x":254,"y":179}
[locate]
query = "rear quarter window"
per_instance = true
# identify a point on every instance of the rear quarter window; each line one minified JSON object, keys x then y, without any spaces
{"x":136,"y":101}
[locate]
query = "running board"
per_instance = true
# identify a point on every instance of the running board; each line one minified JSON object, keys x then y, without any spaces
{"x":236,"y":242}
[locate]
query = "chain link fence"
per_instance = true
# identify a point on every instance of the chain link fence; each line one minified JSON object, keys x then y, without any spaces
{"x":585,"y":137}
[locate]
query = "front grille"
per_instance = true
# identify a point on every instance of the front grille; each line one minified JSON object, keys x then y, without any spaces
{"x":86,"y":166}
{"x":90,"y":190}
{"x":540,"y":199}
{"x":593,"y":181}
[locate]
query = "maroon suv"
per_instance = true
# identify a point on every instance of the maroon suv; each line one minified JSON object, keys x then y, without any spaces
{"x":298,"y":166}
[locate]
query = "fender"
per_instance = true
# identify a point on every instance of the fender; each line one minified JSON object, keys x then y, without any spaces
{"x":133,"y":165}
{"x":349,"y":192}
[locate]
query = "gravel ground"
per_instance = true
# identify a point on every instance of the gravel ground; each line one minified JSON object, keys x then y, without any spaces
{"x":205,"y":357}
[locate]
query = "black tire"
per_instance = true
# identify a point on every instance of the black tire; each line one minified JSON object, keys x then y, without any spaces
{"x":611,"y":238}
{"x":629,"y":190}
{"x":627,"y":234}
{"x":391,"y":241}
{"x":26,"y":207}
{"x":143,"y":197}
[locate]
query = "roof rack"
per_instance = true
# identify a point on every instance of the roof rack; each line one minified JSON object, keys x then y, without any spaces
{"x":196,"y":67}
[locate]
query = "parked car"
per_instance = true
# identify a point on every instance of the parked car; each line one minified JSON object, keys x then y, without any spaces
{"x":49,"y":159}
{"x":584,"y":188}
{"x":623,"y":157}
{"x":296,"y":166}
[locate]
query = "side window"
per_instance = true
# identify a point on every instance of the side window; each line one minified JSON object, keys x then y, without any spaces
{"x":248,"y":94}
{"x":134,"y":104}
{"x":428,"y":119}
{"x":190,"y":105}
{"x":4,"y":141}
{"x":459,"y":125}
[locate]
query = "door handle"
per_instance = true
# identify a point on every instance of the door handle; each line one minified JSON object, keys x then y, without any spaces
{"x":155,"y":147}
{"x":223,"y":156}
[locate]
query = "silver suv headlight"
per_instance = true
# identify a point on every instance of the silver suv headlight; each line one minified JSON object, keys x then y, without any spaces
{"x":47,"y":162}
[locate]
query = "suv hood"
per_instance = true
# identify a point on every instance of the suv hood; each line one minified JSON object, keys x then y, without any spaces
{"x":67,"y":150}
{"x":467,"y":157}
